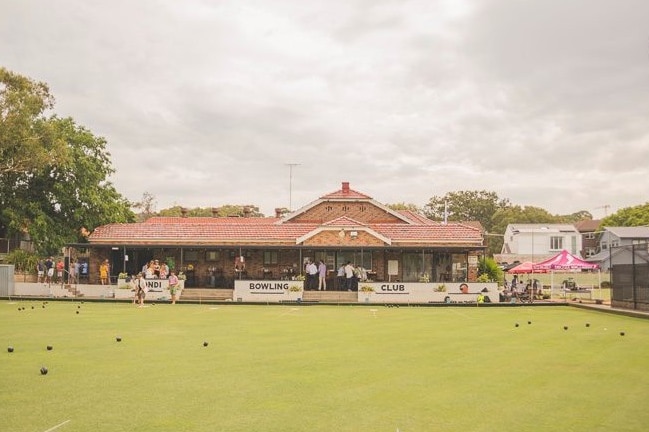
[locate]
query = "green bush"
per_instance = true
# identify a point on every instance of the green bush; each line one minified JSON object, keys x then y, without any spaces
{"x":24,"y":261}
{"x":606,"y":284}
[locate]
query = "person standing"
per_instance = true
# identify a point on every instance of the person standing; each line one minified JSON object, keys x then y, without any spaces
{"x":340,"y":277}
{"x":40,"y":270}
{"x":140,"y":289}
{"x":322,"y":276}
{"x":103,"y":273}
{"x":349,"y":276}
{"x":312,"y":275}
{"x":49,"y":270}
{"x":73,"y":271}
{"x":59,"y":271}
{"x":173,"y":286}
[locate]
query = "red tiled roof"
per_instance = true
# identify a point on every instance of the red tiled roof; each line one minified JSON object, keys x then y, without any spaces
{"x":211,"y":220}
{"x":223,"y":231}
{"x":345,"y":195}
{"x":451,"y":232}
{"x":167,"y":232}
{"x":417,"y":218}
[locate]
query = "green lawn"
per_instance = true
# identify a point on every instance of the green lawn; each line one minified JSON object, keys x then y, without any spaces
{"x":320,"y":368}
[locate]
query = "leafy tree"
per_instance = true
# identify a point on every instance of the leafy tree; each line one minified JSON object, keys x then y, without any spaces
{"x":574,"y":217}
{"x":223,"y":211}
{"x":51,"y":198}
{"x":27,"y":142}
{"x":466,"y":206}
{"x":629,"y":216}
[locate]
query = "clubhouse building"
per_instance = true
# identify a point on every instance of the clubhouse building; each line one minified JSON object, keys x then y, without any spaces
{"x":392,"y":246}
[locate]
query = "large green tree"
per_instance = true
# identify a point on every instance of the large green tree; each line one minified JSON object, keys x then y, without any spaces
{"x":53,"y":172}
{"x":628,"y":216}
{"x":466,"y":206}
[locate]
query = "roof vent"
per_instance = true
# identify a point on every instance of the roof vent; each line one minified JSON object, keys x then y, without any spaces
{"x":345,"y":187}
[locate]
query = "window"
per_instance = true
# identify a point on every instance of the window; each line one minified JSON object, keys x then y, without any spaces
{"x":589,"y":235}
{"x":590,"y":252}
{"x":556,"y":243}
{"x":270,"y":257}
{"x":212,"y":255}
{"x":191,"y":256}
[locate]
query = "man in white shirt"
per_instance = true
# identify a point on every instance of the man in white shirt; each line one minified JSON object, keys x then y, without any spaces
{"x":312,"y":275}
{"x":349,"y":276}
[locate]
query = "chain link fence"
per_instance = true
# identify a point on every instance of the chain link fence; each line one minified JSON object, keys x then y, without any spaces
{"x":630,"y":276}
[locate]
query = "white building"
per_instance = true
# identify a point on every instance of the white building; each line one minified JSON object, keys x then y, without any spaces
{"x":535,"y":242}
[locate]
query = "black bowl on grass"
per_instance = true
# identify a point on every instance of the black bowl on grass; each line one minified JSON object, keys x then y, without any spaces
{"x":10,"y":349}
{"x":44,"y":370}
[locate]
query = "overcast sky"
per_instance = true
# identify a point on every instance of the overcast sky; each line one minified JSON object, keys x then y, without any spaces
{"x":204,"y":103}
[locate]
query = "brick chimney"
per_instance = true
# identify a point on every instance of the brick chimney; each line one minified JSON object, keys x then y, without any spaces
{"x":345,"y":187}
{"x":278,"y":212}
{"x":246,"y":211}
{"x":215,"y":212}
{"x":183,"y":212}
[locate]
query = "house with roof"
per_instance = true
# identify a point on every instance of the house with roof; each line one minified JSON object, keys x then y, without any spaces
{"x":537,"y":242}
{"x":590,"y":234}
{"x":616,"y":244}
{"x":338,"y":227}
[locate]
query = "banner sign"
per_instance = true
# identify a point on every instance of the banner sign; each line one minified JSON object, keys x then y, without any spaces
{"x":267,"y":291}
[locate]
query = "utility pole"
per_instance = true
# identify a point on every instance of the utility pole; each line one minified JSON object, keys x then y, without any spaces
{"x":290,"y":184}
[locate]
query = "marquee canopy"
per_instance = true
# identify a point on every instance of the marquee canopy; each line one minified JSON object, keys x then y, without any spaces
{"x":524,"y":267}
{"x":564,"y":260}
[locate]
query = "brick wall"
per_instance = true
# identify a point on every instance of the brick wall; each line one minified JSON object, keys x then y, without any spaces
{"x":362,"y":212}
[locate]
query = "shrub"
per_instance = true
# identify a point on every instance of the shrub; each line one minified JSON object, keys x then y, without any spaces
{"x":606,"y":284}
{"x":24,"y":261}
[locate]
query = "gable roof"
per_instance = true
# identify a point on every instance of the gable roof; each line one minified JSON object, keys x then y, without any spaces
{"x":587,"y":225}
{"x":638,"y":232}
{"x":407,"y":228}
{"x":345,"y":194}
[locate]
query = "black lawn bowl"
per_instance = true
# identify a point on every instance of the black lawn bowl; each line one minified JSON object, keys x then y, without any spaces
{"x":118,"y":339}
{"x":205,"y":344}
{"x":50,"y":347}
{"x":516,"y":325}
{"x":621,"y":333}
{"x":565,"y":327}
{"x":43,"y":306}
{"x":44,"y":370}
{"x":587,"y":324}
{"x":529,"y":322}
{"x":32,"y":307}
{"x":77,"y":312}
{"x":10,"y":349}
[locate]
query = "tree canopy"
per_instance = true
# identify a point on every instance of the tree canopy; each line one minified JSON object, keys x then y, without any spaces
{"x":53,"y":172}
{"x":628,"y":216}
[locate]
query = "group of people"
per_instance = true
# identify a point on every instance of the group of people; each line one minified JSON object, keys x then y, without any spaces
{"x":316,"y":275}
{"x":154,"y":270}
{"x":349,"y":275}
{"x":50,"y":271}
{"x":520,"y":289}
